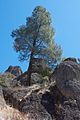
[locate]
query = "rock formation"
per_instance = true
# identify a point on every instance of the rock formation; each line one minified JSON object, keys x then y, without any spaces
{"x":42,"y":103}
{"x":15,"y":70}
{"x":67,"y":77}
{"x":28,"y":100}
{"x":39,"y":71}
{"x":57,"y":100}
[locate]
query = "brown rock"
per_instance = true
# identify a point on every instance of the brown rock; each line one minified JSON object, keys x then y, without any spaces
{"x":15,"y":70}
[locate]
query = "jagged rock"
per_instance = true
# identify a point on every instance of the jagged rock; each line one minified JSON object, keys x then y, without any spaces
{"x":15,"y":70}
{"x":42,"y":103}
{"x":59,"y":100}
{"x":32,"y":104}
{"x":67,"y":77}
{"x":28,"y":100}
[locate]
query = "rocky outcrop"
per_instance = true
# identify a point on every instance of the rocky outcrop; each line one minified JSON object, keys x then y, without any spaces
{"x":57,"y":100}
{"x":29,"y":101}
{"x":67,"y":77}
{"x":39,"y":72}
{"x":42,"y":103}
{"x":15,"y":70}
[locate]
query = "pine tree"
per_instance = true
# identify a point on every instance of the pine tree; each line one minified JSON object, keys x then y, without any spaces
{"x":36,"y":39}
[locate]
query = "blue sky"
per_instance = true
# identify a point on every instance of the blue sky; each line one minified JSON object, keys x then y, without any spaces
{"x":66,"y":21}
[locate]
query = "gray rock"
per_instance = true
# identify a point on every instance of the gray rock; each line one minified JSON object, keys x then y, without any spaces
{"x":67,"y":77}
{"x":32,"y":104}
{"x":31,"y":100}
{"x":36,"y":78}
{"x":42,"y":103}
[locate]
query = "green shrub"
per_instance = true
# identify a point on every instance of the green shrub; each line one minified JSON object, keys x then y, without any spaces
{"x":46,"y":72}
{"x":2,"y":81}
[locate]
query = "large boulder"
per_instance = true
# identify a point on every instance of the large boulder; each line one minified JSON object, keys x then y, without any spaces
{"x":67,"y":77}
{"x":15,"y":70}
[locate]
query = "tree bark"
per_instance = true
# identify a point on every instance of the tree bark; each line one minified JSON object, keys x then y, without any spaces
{"x":30,"y":69}
{"x":31,"y":63}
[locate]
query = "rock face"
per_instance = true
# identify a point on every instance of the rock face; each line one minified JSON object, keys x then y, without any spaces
{"x":29,"y":100}
{"x":67,"y":77}
{"x":15,"y":70}
{"x":57,"y":100}
{"x":42,"y":103}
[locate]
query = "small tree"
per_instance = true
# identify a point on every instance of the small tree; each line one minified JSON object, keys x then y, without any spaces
{"x":36,"y":39}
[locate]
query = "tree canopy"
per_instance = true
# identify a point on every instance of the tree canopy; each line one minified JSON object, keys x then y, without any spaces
{"x":35,"y":39}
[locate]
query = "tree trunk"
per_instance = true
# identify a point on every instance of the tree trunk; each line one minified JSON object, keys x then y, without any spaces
{"x":30,"y":70}
{"x":31,"y":62}
{"x":32,"y":56}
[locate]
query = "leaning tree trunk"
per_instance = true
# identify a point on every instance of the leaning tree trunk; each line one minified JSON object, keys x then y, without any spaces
{"x":32,"y":56}
{"x":30,"y":70}
{"x":31,"y":62}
